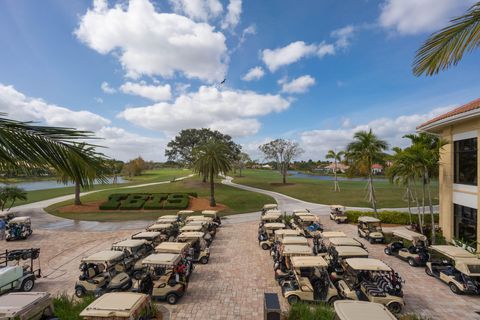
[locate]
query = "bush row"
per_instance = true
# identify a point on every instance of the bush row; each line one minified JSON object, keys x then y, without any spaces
{"x":393,"y":217}
{"x":148,"y":201}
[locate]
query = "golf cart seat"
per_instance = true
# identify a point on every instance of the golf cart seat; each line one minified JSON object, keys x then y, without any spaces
{"x":396,"y":246}
{"x":305,"y":284}
{"x":382,"y":283}
{"x":372,"y":289}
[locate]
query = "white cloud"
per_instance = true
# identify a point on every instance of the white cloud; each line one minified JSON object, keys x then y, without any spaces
{"x":150,"y":43}
{"x":201,"y":10}
{"x":344,"y":36}
{"x":298,"y":85}
{"x":232,"y":111}
{"x":318,"y":142}
{"x":254,"y":74}
{"x":107,"y":88}
{"x":155,"y":93}
{"x":20,"y":107}
{"x":418,"y":16}
{"x":293,"y":52}
{"x":234,"y":10}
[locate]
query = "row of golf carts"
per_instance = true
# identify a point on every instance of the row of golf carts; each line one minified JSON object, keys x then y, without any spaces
{"x":17,"y":228}
{"x":157,"y":261}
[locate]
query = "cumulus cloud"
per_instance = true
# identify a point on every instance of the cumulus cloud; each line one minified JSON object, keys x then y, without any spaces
{"x":298,"y":85}
{"x":201,"y":10}
{"x":293,"y":52}
{"x":20,"y":107}
{"x":344,"y":36}
{"x":254,"y":74}
{"x":232,"y":111}
{"x":234,"y":10}
{"x":318,"y":142}
{"x":155,"y":93}
{"x":107,"y":88}
{"x":414,"y":16}
{"x":150,"y":43}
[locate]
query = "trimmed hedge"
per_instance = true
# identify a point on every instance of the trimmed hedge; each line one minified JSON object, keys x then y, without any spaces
{"x":147,"y":201}
{"x":109,"y":205}
{"x":176,"y":204}
{"x":155,"y":201}
{"x":391,"y":217}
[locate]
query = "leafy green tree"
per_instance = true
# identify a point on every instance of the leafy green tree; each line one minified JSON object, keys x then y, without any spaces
{"x":134,"y":167}
{"x":337,"y":157}
{"x":365,"y":150}
{"x":11,"y":194}
{"x":211,"y":159}
{"x":282,"y":152}
{"x":447,"y":46}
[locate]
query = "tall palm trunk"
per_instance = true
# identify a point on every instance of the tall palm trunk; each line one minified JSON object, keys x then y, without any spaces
{"x":432,"y":216}
{"x":409,"y":202}
{"x":77,"y":194}
{"x":373,"y":197}
{"x":420,"y":216}
{"x":336,"y":187}
{"x":212,"y":190}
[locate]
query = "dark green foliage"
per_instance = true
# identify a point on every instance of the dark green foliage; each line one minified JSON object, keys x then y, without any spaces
{"x":193,"y":194}
{"x":147,"y":201}
{"x":393,"y":217}
{"x":118,"y":196}
{"x":155,"y":201}
{"x":302,"y":311}
{"x":109,"y":205}
{"x":176,"y":204}
{"x":67,"y":307}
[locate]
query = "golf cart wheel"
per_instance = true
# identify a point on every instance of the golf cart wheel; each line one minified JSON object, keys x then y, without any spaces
{"x":371,"y":240}
{"x":137,"y":275}
{"x":79,"y":292}
{"x":204,"y":260}
{"x":412,"y":262}
{"x":293,"y":299}
{"x":27,"y":284}
{"x":333,"y":299}
{"x":428,"y":271}
{"x":265,"y":246}
{"x":395,"y":307}
{"x":172,"y":298}
{"x":387,"y":251}
{"x":454,"y":288}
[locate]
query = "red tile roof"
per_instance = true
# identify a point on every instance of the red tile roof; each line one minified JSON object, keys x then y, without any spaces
{"x":475,"y":104}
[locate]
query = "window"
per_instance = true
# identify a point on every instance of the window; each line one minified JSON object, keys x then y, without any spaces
{"x":465,"y":223}
{"x":465,"y":161}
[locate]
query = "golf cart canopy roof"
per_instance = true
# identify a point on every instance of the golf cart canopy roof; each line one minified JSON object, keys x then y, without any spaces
{"x":274,"y":225}
{"x":300,"y":211}
{"x":190,"y":235}
{"x":210,"y":213}
{"x":12,"y":304}
{"x":294,"y":249}
{"x":453,"y":252}
{"x":361,"y":310}
{"x":185,"y":212}
{"x":368,"y":219}
{"x":7,"y":214}
{"x":115,"y":305}
{"x":199,"y":218}
{"x":333,"y":234}
{"x":270,"y":206}
{"x":469,"y":266}
{"x":302,"y":214}
{"x":409,"y":235}
{"x":159,"y":226}
{"x":367,"y":264}
{"x":308,"y":218}
{"x":148,"y":235}
{"x":172,"y":247}
{"x":191,"y":228}
{"x":351,"y":251}
{"x":337,"y":206}
{"x":129,"y":243}
{"x":166,"y":220}
{"x":271,"y":215}
{"x":106,"y":256}
{"x":168,"y":216}
{"x":295,"y":240}
{"x":287,"y":232}
{"x":344,"y":241}
{"x":20,"y":220}
{"x":197,"y":223}
{"x":306,"y":262}
{"x":163,"y":259}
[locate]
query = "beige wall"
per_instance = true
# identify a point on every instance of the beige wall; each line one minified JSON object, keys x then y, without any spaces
{"x":446,"y":188}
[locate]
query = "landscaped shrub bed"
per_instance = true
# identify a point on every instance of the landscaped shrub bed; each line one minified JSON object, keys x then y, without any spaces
{"x":155,"y":201}
{"x":391,"y":217}
{"x":147,"y":201}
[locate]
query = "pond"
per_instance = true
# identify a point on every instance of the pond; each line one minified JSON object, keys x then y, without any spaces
{"x":50,"y":184}
{"x":296,"y":174}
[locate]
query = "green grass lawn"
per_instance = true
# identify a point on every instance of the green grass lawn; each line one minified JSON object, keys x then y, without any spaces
{"x":237,"y":201}
{"x":353,"y":193}
{"x":149,"y":176}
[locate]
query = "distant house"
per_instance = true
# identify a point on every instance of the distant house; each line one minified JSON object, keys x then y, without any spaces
{"x":339,"y":167}
{"x":377,"y":168}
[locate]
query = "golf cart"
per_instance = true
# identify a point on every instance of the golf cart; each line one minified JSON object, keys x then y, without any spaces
{"x":282,"y":264}
{"x":300,"y":211}
{"x":284,"y":233}
{"x":165,"y":278}
{"x":327,"y":243}
{"x":102,"y":272}
{"x":271,"y":216}
{"x":269,"y":206}
{"x":361,"y":310}
{"x":308,"y":225}
{"x":266,"y":234}
{"x":152,"y":237}
{"x":207,"y":226}
{"x":409,"y":246}
{"x":168,"y":231}
{"x":370,"y":228}
{"x":168,"y":219}
{"x":119,"y":306}
{"x":16,"y":277}
{"x":333,"y":234}
{"x":198,"y":250}
{"x":182,"y":214}
{"x":181,"y":248}
{"x":19,"y":228}
{"x":310,"y":281}
{"x":134,"y":251}
{"x":26,"y":306}
{"x":337,"y":214}
{"x":278,"y":245}
{"x":320,"y":240}
{"x":214,"y":215}
{"x":456,"y":267}
{"x":371,"y":280}
{"x":7,"y":216}
{"x":337,"y":254}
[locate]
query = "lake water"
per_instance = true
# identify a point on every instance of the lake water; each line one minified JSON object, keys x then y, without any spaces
{"x":296,"y":174}
{"x":50,"y":184}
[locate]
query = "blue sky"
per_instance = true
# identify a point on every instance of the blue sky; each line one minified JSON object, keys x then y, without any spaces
{"x":136,"y":72}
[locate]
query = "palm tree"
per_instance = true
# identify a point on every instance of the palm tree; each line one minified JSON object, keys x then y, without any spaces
{"x":447,"y":46}
{"x":11,"y":194}
{"x":363,"y":152}
{"x":337,"y":157}
{"x":212,"y":159}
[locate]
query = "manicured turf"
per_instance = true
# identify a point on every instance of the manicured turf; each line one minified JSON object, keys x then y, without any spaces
{"x":237,"y":201}
{"x":150,"y":176}
{"x":353,"y":193}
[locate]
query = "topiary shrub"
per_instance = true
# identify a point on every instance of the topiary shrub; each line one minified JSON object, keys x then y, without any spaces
{"x":193,"y":194}
{"x":109,"y":205}
{"x":155,"y":202}
{"x":176,"y":204}
{"x":132,"y":204}
{"x":118,"y":196}
{"x":391,"y":217}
